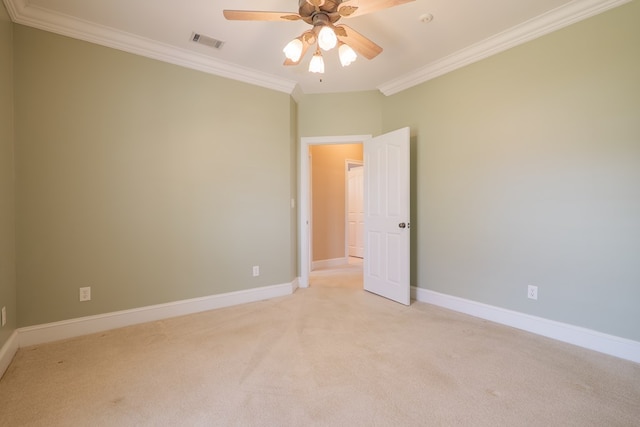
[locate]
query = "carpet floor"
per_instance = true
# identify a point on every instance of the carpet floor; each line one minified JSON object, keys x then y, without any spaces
{"x":327,"y":355}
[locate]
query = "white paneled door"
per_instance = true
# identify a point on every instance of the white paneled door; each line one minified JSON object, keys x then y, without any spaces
{"x":386,"y":197}
{"x":355,"y":211}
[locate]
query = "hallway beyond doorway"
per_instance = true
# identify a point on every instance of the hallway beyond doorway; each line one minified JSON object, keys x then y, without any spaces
{"x":344,"y":276}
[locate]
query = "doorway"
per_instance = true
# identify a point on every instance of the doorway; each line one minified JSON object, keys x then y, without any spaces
{"x":387,"y":239}
{"x":330,"y":202}
{"x":336,"y":215}
{"x":306,"y":218}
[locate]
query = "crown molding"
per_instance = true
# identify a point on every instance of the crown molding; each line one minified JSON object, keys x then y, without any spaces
{"x":21,"y":12}
{"x":546,"y":23}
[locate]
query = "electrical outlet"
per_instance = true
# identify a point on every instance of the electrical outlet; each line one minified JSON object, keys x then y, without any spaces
{"x":256,"y":270}
{"x":85,"y":294}
{"x":4,"y":316}
{"x":532,"y":292}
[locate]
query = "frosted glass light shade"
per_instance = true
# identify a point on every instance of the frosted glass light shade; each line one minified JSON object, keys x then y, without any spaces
{"x":293,"y":50}
{"x":346,"y":54}
{"x":317,"y":63}
{"x":327,"y":38}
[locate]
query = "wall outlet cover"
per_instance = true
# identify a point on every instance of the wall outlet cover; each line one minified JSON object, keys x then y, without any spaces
{"x":85,"y":293}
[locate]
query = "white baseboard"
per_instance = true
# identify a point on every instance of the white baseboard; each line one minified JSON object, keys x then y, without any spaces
{"x":295,"y":284}
{"x":302,"y":284}
{"x":329,"y":263}
{"x":582,"y":337}
{"x":40,"y":334}
{"x":7,"y":351}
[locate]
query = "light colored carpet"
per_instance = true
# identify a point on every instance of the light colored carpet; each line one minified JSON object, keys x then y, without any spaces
{"x":328,"y":356}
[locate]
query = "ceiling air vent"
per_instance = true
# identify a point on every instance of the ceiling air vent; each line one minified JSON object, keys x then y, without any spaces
{"x":207,"y":41}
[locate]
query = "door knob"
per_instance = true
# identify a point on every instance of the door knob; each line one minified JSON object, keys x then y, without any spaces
{"x":402,"y":225}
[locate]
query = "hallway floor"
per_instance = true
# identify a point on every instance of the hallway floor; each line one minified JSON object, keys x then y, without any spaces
{"x":344,"y":276}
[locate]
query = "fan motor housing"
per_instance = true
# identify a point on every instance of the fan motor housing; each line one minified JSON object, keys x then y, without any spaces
{"x":309,"y":9}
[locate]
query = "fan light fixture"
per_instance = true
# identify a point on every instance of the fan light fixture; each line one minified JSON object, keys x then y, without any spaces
{"x":346,"y":54}
{"x":327,"y":39}
{"x":293,"y":50}
{"x":317,"y":63}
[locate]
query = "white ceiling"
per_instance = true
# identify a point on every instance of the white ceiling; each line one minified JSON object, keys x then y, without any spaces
{"x":461,"y":32}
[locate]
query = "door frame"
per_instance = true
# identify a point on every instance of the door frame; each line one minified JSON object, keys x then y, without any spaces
{"x":348,"y":163}
{"x":304,"y":229}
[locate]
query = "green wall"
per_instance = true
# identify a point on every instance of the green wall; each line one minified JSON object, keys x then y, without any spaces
{"x":7,"y":212}
{"x":527,"y":172}
{"x":147,"y":181}
{"x":337,"y":114}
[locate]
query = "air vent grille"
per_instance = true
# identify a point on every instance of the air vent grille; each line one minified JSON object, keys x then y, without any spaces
{"x":207,"y":41}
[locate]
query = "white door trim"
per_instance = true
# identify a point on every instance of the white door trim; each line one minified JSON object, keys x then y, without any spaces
{"x":304,"y":250}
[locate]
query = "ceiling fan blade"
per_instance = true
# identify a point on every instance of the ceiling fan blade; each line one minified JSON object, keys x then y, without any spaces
{"x":368,"y":6}
{"x":347,"y":10}
{"x":357,"y":41}
{"x":255,"y":15}
{"x":308,"y":38}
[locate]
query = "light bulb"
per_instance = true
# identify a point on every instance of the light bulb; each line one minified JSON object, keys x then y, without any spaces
{"x":317,"y":63}
{"x":293,"y":50}
{"x":327,"y":38}
{"x":346,"y":54}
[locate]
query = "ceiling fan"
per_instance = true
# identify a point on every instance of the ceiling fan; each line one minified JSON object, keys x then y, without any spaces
{"x":322,"y":15}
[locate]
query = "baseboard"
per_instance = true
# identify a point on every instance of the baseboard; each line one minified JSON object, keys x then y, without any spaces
{"x":582,"y":337}
{"x":302,"y":284}
{"x":7,"y":351}
{"x":40,"y":334}
{"x":295,"y":284}
{"x":329,"y":263}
